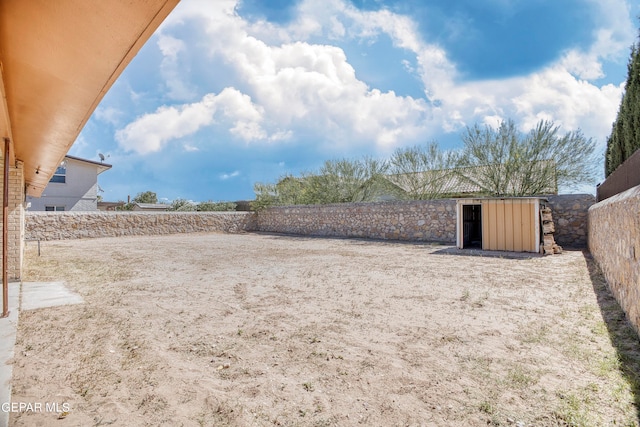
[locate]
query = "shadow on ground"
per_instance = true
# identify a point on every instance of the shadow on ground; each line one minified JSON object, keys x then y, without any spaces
{"x":622,"y":335}
{"x":355,"y":239}
{"x":486,"y":254}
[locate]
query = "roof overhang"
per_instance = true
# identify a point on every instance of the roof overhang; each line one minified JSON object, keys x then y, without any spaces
{"x":57,"y":61}
{"x":99,"y":165}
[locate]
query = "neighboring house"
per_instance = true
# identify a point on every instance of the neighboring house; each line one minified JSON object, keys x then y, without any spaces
{"x":110,"y":206}
{"x":73,"y":187}
{"x":151,"y":207}
{"x":535,"y":178}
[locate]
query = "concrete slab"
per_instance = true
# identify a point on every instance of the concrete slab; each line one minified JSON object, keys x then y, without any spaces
{"x":47,"y":294}
{"x":8,"y":328}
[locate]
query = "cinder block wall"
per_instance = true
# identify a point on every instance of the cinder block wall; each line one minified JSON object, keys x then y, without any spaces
{"x":77,"y":225}
{"x":614,"y":242}
{"x":433,"y":220}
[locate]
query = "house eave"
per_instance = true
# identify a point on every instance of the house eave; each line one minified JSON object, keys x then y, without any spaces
{"x":57,"y":61}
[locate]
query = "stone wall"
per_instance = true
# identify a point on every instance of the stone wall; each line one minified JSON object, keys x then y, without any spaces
{"x":570,"y":216}
{"x":433,"y":221}
{"x":429,"y":220}
{"x":76,"y":225}
{"x":614,"y":242}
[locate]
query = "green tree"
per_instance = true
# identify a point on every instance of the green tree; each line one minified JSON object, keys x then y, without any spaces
{"x":146,"y":197}
{"x":291,"y":190}
{"x":337,"y":181}
{"x":506,"y":162}
{"x":422,"y":172}
{"x":266,"y":196}
{"x":625,"y":135}
{"x":344,"y":181}
{"x":124,"y":206}
{"x":210,"y":206}
{"x":182,"y":205}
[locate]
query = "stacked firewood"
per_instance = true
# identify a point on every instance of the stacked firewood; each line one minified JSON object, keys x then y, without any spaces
{"x":549,"y":246}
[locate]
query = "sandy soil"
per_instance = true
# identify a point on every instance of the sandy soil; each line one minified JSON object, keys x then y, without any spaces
{"x":251,"y":329}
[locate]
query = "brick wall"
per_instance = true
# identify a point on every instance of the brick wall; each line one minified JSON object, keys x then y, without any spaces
{"x":15,"y":232}
{"x":614,"y":242}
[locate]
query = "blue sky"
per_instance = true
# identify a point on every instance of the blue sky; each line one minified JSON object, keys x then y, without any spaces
{"x":232,"y":92}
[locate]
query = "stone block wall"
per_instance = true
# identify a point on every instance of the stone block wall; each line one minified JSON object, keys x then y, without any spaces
{"x":570,"y":216}
{"x":614,"y":242}
{"x":428,"y":220}
{"x":77,"y":225}
{"x":433,"y":220}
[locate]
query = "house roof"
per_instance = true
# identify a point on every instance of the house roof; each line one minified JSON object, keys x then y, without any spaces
{"x":153,"y":206}
{"x":58,"y":59}
{"x":472,"y":180}
{"x":101,"y":166}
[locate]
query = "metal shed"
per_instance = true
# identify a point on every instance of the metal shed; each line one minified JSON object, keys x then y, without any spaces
{"x":499,"y":224}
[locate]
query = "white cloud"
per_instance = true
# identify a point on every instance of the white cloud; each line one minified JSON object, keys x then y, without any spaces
{"x":226,"y":176}
{"x":291,"y":86}
{"x":309,"y":87}
{"x":109,"y":115}
{"x":173,"y":74}
{"x":151,"y":132}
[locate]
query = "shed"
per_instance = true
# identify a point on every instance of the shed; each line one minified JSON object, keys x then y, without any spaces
{"x":499,"y":224}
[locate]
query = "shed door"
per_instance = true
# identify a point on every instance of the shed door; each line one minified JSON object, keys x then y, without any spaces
{"x":471,"y":226}
{"x":509,"y":225}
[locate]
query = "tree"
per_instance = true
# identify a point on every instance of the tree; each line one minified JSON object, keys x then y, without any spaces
{"x":337,"y":181}
{"x":506,"y":162}
{"x":146,"y":197}
{"x":422,"y":172}
{"x":266,"y":196}
{"x":182,"y":205}
{"x":625,"y":135}
{"x":210,"y":206}
{"x":343,"y":181}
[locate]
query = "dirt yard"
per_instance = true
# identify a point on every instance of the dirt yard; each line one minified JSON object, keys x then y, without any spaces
{"x":262,"y":330}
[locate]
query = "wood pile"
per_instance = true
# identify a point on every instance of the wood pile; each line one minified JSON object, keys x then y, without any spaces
{"x":549,"y":246}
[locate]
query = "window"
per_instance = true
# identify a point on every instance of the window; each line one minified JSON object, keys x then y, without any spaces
{"x":60,"y":174}
{"x":54,"y":208}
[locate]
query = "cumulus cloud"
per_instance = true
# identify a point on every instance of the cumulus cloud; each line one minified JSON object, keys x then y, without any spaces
{"x":109,"y":115}
{"x":288,"y":85}
{"x":151,"y":132}
{"x":174,"y":76}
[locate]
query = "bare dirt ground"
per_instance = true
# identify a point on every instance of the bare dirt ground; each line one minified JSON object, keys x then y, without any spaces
{"x":251,"y":329}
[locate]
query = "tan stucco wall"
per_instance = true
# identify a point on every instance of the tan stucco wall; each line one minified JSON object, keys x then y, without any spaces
{"x":614,"y":242}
